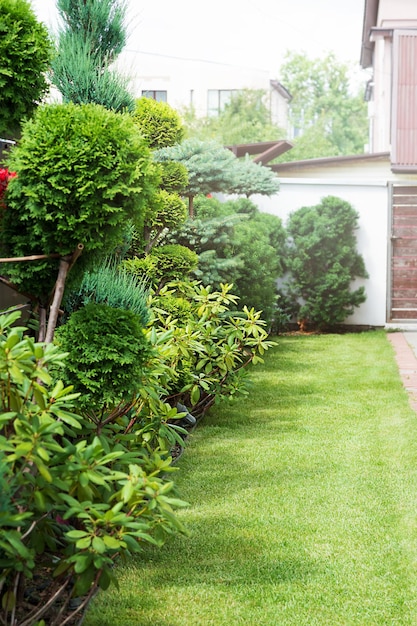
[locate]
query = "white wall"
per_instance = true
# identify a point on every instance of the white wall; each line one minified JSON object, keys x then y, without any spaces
{"x":371,"y":202}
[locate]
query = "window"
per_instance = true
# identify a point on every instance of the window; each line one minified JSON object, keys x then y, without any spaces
{"x":217,"y":99}
{"x":159,"y":96}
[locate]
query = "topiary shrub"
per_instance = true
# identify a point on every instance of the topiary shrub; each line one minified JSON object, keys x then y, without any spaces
{"x":106,"y":349}
{"x":25,"y":52}
{"x":164,"y":263}
{"x":174,"y":177}
{"x":159,"y":123}
{"x":323,"y":262}
{"x":83,"y":173}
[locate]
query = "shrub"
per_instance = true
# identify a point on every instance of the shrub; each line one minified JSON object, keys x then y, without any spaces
{"x":174,"y":177}
{"x":323,"y":262}
{"x":83,"y":173}
{"x":25,"y":52}
{"x":72,"y":500}
{"x":106,"y":353}
{"x":207,"y":351}
{"x":90,"y":37}
{"x":237,"y":244}
{"x":164,"y":263}
{"x":109,"y":284}
{"x":165,"y":210}
{"x":159,"y":123}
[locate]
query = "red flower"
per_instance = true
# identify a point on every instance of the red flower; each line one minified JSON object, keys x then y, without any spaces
{"x":5,"y":176}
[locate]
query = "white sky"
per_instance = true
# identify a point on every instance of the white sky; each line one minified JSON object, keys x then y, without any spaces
{"x":251,"y":33}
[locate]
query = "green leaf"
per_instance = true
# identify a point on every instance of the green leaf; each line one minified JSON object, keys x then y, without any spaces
{"x":76,"y":534}
{"x":99,"y":545}
{"x":112,"y":542}
{"x":8,"y":601}
{"x":195,"y":395}
{"x":83,"y":544}
{"x":82,"y":562}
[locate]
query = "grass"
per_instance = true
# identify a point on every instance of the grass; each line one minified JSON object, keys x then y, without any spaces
{"x":303,"y":502}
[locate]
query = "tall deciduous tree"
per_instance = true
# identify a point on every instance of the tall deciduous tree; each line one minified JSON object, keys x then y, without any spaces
{"x":91,"y":36}
{"x":245,"y":119}
{"x":25,"y":52}
{"x":329,"y":115}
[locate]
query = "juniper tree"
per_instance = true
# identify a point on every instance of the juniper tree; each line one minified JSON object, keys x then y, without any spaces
{"x":91,"y":36}
{"x":323,"y":262}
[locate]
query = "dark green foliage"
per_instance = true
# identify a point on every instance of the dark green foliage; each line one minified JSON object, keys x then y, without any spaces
{"x":109,"y":284}
{"x":25,"y":52}
{"x":91,"y":35}
{"x":164,"y":263}
{"x":212,"y":240}
{"x":107,"y":350}
{"x":237,"y":244}
{"x":323,"y":262}
{"x":75,"y":492}
{"x":83,"y":173}
{"x":159,"y":123}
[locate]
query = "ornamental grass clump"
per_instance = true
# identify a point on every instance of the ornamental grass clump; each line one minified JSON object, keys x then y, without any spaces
{"x":110,"y":284}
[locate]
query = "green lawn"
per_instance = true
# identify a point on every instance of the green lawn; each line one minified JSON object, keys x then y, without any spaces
{"x":303,"y":502}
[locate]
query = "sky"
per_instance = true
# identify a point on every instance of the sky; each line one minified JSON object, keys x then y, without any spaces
{"x":249,"y":33}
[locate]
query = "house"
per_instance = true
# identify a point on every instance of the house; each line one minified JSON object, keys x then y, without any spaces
{"x":381,"y":185}
{"x":206,"y":86}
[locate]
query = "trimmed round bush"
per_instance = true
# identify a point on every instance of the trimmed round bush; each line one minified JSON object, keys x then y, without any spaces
{"x":83,"y":173}
{"x":159,"y":123}
{"x":107,"y":349}
{"x":25,"y":52}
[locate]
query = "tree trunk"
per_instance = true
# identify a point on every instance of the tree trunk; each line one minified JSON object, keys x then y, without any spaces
{"x":191,"y":207}
{"x":65,"y":265}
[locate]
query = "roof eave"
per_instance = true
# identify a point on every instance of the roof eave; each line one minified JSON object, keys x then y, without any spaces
{"x":370,"y":20}
{"x":329,"y":161}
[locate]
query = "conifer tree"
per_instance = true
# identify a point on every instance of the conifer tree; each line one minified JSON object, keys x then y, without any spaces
{"x":91,"y":36}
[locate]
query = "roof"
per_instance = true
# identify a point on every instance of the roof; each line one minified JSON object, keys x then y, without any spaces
{"x":370,"y":19}
{"x":279,"y":87}
{"x":329,"y":161}
{"x":266,"y":150}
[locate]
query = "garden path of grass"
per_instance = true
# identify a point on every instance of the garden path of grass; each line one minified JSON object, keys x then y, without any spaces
{"x":303,"y":502}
